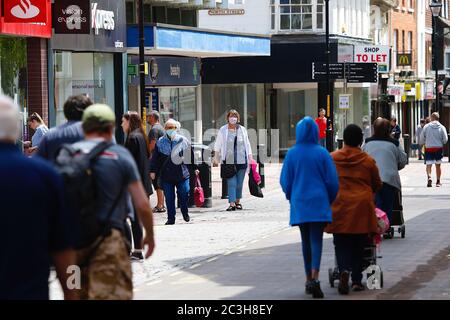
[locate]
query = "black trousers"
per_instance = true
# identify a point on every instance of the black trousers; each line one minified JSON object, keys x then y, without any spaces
{"x":136,"y":233}
{"x":350,"y":253}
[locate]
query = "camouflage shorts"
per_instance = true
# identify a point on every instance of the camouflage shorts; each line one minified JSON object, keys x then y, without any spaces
{"x":107,"y":275}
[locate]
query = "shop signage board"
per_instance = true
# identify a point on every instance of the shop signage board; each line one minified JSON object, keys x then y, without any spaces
{"x":25,"y":11}
{"x":396,"y":90}
{"x":352,"y":72}
{"x":26,"y":18}
{"x":72,"y":17}
{"x":344,"y":101}
{"x":169,"y":71}
{"x":374,"y":54}
{"x":226,"y":12}
{"x":404,"y":59}
{"x":103,"y":30}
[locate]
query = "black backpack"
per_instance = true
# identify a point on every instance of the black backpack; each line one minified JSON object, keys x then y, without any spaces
{"x":82,"y":191}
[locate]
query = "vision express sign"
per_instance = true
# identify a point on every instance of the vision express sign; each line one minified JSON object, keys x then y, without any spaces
{"x":72,"y":17}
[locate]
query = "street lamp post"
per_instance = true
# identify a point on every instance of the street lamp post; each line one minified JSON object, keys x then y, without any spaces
{"x":142,"y":60}
{"x":436,"y":8}
{"x":330,"y":109}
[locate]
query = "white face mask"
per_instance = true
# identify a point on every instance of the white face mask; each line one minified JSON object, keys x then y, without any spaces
{"x":233,"y":120}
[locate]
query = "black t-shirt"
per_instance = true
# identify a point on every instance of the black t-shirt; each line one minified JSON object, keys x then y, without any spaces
{"x":35,"y":222}
{"x":156,"y":132}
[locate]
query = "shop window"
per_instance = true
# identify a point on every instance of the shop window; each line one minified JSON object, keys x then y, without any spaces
{"x":159,"y":15}
{"x":130,"y":12}
{"x":179,"y":104}
{"x":189,"y":18}
{"x":173,"y":16}
{"x":91,"y":74}
{"x":13,"y":72}
{"x":299,"y":14}
{"x":147,"y":13}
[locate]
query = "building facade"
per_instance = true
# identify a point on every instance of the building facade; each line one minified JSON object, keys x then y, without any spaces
{"x":285,"y":89}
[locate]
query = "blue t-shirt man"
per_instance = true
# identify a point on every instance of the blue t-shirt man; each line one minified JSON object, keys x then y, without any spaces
{"x":35,"y":224}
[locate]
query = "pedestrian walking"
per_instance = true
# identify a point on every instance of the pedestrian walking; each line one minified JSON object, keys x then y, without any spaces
{"x":396,"y":132}
{"x":310,"y":182}
{"x":390,"y":158}
{"x":434,"y":137}
{"x":322,"y":124}
{"x":103,"y":254}
{"x":418,"y":134}
{"x":36,"y":231}
{"x":367,"y":130}
{"x":169,"y":162}
{"x":36,"y":123}
{"x":67,"y":133}
{"x":155,"y":133}
{"x":233,"y":150}
{"x":136,"y":143}
{"x":354,"y":219}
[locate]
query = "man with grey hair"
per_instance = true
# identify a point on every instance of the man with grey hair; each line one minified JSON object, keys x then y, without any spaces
{"x":43,"y":218}
{"x":434,"y":137}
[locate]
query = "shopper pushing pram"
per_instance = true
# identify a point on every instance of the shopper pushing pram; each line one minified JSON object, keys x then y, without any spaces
{"x":354,"y":219}
{"x":390,"y":159}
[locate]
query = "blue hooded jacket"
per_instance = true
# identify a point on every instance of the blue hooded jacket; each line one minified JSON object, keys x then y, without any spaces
{"x":309,"y":177}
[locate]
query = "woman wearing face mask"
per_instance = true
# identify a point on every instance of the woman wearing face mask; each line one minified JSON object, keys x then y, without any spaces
{"x":232,"y":147}
{"x":170,"y":158}
{"x":136,"y":143}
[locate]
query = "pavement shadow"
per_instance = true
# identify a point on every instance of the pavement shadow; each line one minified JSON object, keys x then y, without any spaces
{"x":276,"y":272}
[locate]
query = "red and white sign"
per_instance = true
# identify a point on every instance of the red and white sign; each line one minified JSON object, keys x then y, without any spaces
{"x":25,"y":11}
{"x":26,"y":27}
{"x":373,"y":54}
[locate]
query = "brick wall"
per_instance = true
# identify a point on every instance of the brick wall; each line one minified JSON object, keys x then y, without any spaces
{"x":404,"y":21}
{"x":37,"y":77}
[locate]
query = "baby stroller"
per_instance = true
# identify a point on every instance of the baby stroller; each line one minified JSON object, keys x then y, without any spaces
{"x":397,"y":221}
{"x":370,"y":259}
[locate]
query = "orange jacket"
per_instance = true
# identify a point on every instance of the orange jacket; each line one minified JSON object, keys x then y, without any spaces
{"x":354,"y":207}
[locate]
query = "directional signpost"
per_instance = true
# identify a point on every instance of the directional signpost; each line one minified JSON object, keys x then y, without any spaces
{"x":352,"y":72}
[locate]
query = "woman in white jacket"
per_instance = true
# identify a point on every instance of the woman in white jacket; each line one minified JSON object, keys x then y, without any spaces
{"x":233,"y":148}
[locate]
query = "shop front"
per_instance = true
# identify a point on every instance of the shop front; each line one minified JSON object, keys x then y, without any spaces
{"x":172,"y":88}
{"x":285,"y":89}
{"x":21,"y":59}
{"x":175,"y":70}
{"x":89,"y":58}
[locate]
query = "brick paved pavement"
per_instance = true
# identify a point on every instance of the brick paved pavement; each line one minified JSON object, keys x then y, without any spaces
{"x":254,"y":254}
{"x":270,"y":267}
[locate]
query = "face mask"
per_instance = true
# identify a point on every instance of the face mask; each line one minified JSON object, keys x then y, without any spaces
{"x":233,"y":120}
{"x":171,"y":133}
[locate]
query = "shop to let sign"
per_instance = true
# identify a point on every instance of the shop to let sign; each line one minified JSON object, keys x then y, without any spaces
{"x":25,"y":11}
{"x":373,"y":54}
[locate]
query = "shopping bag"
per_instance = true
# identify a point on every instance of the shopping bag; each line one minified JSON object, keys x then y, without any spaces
{"x":199,"y":194}
{"x":255,"y":190}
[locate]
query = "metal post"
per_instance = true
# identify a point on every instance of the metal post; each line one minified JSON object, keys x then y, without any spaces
{"x":142,"y":58}
{"x":330,"y":111}
{"x":261,"y":150}
{"x":436,"y":107}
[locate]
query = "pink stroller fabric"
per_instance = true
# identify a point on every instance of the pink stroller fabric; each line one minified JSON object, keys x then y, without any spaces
{"x":383,"y":224}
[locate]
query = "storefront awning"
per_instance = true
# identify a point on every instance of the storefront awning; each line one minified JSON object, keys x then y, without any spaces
{"x":193,"y":42}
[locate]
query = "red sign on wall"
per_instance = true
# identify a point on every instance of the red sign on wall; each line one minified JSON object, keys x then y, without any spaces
{"x":25,"y":11}
{"x":25,"y":27}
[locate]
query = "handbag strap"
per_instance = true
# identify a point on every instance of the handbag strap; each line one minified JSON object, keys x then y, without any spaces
{"x":198,"y":183}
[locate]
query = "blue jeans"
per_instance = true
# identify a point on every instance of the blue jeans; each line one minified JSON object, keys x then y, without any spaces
{"x":312,"y":241}
{"x":183,"y":189}
{"x":385,"y":199}
{"x":235,"y":185}
{"x":323,"y":142}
